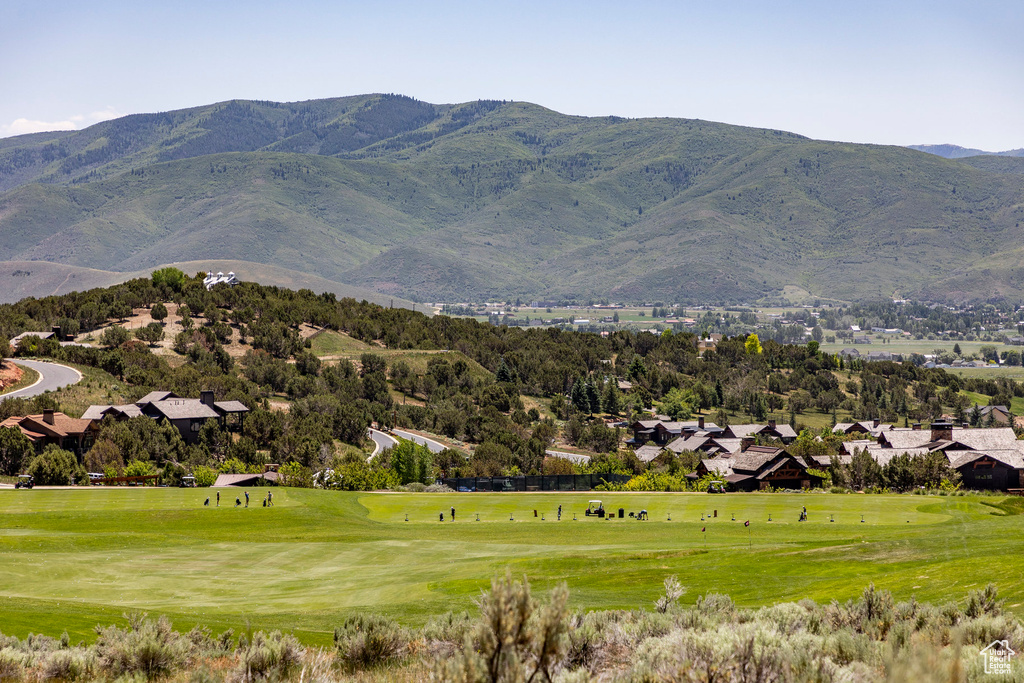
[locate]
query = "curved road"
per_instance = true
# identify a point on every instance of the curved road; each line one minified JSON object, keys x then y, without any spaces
{"x":381,"y":441}
{"x":51,"y":376}
{"x":434,"y":446}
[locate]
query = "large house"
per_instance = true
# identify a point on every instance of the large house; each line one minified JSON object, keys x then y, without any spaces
{"x":662,"y":432}
{"x":187,"y":414}
{"x":651,"y":437}
{"x":997,"y":414}
{"x":759,"y":468}
{"x":53,"y":427}
{"x":989,"y":459}
{"x":749,"y":432}
{"x":212,"y":280}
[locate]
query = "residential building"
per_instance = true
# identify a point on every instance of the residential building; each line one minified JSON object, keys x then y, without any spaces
{"x":53,"y":427}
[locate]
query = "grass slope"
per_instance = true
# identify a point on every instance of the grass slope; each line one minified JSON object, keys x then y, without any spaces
{"x":74,"y":558}
{"x":339,"y":346}
{"x":496,"y":199}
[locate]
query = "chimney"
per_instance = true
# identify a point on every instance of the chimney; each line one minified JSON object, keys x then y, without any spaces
{"x":700,"y":422}
{"x":48,"y":416}
{"x":875,"y":423}
{"x":942,"y":431}
{"x":206,"y":397}
{"x":771,"y":424}
{"x":916,"y":426}
{"x":746,"y":442}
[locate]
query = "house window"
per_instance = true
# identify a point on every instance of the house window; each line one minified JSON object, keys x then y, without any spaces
{"x":196,"y":425}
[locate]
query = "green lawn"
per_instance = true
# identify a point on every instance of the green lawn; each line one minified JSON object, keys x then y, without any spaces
{"x":329,"y":343}
{"x":339,"y":346}
{"x":73,"y":558}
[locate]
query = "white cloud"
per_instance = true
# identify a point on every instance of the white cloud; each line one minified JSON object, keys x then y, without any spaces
{"x":25,"y":126}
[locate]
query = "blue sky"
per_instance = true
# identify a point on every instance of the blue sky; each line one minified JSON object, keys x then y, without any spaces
{"x":884,"y":72}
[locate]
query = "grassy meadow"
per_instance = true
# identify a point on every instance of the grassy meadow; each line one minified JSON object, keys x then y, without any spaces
{"x":334,"y":346}
{"x":74,"y":558}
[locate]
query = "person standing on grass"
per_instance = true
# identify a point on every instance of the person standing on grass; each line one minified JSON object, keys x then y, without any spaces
{"x":218,"y":498}
{"x":559,"y":513}
{"x":246,"y":499}
{"x":453,"y":514}
{"x":270,"y":499}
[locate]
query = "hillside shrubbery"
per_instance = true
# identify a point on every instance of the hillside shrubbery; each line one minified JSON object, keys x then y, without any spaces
{"x":474,"y":392}
{"x":518,"y":637}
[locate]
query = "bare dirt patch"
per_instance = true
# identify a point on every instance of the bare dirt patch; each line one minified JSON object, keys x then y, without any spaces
{"x":10,"y":374}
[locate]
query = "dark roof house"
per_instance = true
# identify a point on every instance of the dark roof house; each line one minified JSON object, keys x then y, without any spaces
{"x":758,"y":468}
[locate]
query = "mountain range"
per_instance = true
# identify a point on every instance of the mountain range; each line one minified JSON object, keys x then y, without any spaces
{"x":496,"y":200}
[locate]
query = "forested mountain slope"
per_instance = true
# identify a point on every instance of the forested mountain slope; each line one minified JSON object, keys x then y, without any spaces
{"x":499,"y":199}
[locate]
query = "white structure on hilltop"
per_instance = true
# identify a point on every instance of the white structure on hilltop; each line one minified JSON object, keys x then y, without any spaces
{"x":210,"y":280}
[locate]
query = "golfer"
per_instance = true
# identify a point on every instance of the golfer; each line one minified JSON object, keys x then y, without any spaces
{"x":559,"y":513}
{"x":246,"y":499}
{"x":270,"y":499}
{"x":218,"y":498}
{"x":453,"y":514}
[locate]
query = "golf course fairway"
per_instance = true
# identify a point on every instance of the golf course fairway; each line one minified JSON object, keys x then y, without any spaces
{"x":75,"y":558}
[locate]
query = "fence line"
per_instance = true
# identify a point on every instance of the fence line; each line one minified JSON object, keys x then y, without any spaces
{"x":547,"y":482}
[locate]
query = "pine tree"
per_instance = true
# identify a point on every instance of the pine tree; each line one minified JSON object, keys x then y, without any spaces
{"x":611,"y":398}
{"x":593,"y":398}
{"x":503,"y":375}
{"x":578,"y":396}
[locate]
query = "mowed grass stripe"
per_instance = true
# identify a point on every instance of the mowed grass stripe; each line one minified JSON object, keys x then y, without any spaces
{"x":73,"y":558}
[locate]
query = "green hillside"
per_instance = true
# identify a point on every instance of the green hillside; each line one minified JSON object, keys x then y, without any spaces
{"x":40,"y":278}
{"x":996,"y":164}
{"x":499,"y":199}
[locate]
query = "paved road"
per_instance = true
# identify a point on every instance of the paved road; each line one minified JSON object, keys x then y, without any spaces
{"x":434,"y":446}
{"x":381,"y":441}
{"x":51,"y":376}
{"x":574,"y":457}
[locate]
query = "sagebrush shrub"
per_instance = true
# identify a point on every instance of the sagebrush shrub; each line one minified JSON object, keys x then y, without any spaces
{"x":66,"y":665}
{"x":272,"y":656}
{"x":149,"y":647}
{"x":368,"y":640}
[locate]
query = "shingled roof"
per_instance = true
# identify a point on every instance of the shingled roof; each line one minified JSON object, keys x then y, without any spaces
{"x":648,"y":453}
{"x":155,"y":396}
{"x":99,"y":412}
{"x":183,"y":409}
{"x":986,"y":439}
{"x":36,"y":427}
{"x":1011,"y":458}
{"x":754,"y":458}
